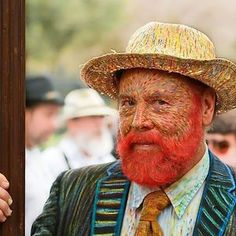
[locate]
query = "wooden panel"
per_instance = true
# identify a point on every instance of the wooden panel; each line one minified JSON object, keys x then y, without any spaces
{"x":12,"y":64}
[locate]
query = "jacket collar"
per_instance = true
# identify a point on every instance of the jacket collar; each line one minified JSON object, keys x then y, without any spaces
{"x":110,"y":202}
{"x":218,"y":200}
{"x":115,"y":169}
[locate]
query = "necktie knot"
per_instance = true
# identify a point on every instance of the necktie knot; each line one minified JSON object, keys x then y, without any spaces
{"x":153,"y":204}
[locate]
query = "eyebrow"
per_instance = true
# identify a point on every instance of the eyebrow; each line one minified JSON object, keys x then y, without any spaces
{"x":165,"y":93}
{"x":153,"y":94}
{"x":156,"y":93}
{"x":124,"y":96}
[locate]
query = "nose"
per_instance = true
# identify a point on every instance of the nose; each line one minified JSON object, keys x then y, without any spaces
{"x":141,"y":121}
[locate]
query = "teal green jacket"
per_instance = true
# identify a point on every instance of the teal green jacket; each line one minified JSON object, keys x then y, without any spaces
{"x":92,"y":201}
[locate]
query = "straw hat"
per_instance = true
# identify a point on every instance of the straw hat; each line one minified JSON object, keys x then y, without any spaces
{"x":85,"y":102}
{"x":168,"y":47}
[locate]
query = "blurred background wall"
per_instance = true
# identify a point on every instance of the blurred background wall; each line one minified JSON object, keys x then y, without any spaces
{"x":63,"y":34}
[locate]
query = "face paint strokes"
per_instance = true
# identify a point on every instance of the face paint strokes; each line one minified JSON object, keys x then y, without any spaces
{"x":154,"y":99}
{"x":160,"y":126}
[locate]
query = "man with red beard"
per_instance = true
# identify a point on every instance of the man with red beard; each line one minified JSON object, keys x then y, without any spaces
{"x":151,"y":143}
{"x":169,"y":85}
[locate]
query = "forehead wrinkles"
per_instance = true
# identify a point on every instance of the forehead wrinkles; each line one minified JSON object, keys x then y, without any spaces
{"x":150,"y":81}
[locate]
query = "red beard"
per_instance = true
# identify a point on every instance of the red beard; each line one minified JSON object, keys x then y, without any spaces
{"x":166,"y":162}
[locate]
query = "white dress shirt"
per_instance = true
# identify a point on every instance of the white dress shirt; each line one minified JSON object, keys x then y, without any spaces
{"x":36,"y":188}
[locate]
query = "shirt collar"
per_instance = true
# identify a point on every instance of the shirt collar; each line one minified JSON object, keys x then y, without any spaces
{"x":180,"y":192}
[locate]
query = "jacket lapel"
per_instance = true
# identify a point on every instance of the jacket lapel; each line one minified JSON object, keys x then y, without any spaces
{"x":218,"y":200}
{"x":110,"y":202}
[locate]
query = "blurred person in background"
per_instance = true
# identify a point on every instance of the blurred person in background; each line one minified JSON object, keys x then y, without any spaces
{"x":221,"y":138}
{"x":113,"y":125}
{"x":88,"y":139}
{"x":43,"y":104}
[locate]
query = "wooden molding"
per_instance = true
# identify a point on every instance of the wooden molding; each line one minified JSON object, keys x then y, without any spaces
{"x":12,"y":100}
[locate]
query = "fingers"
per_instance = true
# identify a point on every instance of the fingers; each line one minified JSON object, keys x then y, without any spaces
{"x":4,"y":195}
{"x":4,"y":182}
{"x":2,"y":217}
{"x":5,"y":210}
{"x":5,"y":199}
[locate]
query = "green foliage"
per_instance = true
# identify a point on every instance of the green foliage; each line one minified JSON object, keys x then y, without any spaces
{"x":68,"y":30}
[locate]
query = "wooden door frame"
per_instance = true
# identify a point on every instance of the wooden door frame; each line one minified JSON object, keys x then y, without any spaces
{"x":12,"y":100}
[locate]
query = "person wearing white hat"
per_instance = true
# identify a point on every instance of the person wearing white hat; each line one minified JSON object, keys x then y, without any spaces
{"x":88,"y":140}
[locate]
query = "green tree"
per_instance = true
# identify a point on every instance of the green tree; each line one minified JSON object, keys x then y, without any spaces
{"x":60,"y":32}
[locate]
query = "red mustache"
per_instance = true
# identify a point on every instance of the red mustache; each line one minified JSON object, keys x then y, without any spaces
{"x":168,"y":147}
{"x":127,"y":143}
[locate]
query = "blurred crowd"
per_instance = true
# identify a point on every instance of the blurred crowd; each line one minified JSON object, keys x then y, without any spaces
{"x":89,"y":136}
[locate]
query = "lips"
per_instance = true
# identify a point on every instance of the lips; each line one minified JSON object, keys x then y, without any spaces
{"x":145,"y":146}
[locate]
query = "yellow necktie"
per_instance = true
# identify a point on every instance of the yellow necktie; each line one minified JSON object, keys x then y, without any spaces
{"x":153,"y":204}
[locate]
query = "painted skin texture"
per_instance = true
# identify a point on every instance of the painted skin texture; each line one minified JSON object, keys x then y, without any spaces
{"x":162,"y":121}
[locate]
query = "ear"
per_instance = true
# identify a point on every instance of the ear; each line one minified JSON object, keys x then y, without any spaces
{"x":208,"y":106}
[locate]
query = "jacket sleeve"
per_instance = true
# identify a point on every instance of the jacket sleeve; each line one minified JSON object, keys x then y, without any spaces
{"x":46,"y":223}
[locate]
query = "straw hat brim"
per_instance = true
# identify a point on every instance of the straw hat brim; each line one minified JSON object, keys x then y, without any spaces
{"x":220,"y":74}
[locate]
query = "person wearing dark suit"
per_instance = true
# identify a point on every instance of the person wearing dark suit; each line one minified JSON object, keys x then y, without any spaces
{"x":169,"y":85}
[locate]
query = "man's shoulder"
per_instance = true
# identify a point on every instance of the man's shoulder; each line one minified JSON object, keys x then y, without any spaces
{"x":83,"y":180}
{"x":221,"y":176}
{"x":87,"y":173}
{"x":221,"y":170}
{"x":217,"y":208}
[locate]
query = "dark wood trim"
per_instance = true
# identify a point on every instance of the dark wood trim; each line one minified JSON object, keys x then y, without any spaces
{"x":12,"y":64}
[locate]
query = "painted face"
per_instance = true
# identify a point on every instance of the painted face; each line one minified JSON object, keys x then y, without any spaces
{"x":160,"y":126}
